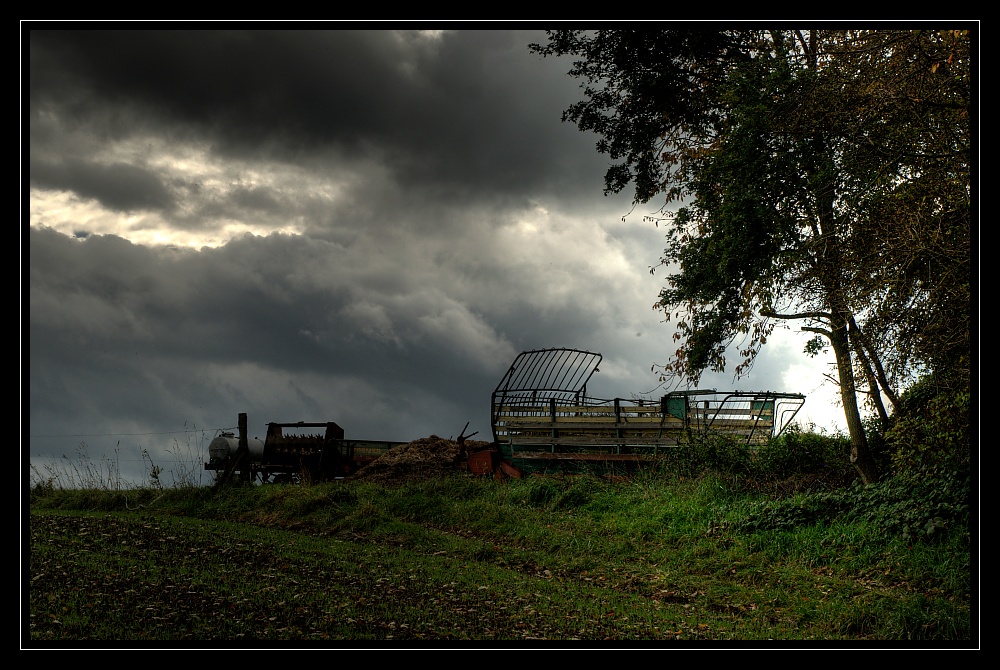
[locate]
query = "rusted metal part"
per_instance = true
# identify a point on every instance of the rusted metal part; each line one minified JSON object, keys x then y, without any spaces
{"x":291,"y":456}
{"x":482,"y":462}
{"x":508,"y":469}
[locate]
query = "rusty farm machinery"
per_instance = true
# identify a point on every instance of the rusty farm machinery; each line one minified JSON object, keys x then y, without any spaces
{"x":287,"y":454}
{"x":542,"y":419}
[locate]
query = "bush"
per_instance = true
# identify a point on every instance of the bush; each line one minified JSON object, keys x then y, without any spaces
{"x":912,"y":507}
{"x":795,"y":452}
{"x":932,"y":430}
{"x":718,"y":453}
{"x":792,"y":463}
{"x":916,"y":505}
{"x":795,"y":512}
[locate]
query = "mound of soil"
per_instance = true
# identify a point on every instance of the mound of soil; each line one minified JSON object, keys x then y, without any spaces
{"x":419,"y":460}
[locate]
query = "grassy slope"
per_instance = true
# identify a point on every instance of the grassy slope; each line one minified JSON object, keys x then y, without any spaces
{"x":650,"y":559}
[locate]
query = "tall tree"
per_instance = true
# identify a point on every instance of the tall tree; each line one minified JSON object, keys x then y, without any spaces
{"x":797,"y":170}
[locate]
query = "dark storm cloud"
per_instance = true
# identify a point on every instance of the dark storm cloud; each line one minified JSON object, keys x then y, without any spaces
{"x":118,"y":187}
{"x":238,"y":303}
{"x":461,"y":111}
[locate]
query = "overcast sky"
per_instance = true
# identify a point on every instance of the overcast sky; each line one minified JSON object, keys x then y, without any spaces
{"x":355,"y":226}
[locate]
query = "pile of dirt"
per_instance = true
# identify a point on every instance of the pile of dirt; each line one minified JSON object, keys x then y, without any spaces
{"x":419,"y":460}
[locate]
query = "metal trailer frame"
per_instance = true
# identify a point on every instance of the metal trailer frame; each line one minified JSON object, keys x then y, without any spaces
{"x":542,"y":375}
{"x":541,"y":410}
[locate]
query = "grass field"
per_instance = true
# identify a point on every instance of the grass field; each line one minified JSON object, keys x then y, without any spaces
{"x":657,"y":559}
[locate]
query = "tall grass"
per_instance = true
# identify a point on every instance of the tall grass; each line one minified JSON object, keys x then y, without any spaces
{"x":80,"y":472}
{"x":182,"y":467}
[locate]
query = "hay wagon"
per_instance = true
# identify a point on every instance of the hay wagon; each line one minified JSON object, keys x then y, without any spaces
{"x":543,"y":417}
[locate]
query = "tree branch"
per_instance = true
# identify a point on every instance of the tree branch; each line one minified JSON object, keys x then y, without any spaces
{"x":879,"y":368}
{"x":770,"y":313}
{"x":821,"y":331}
{"x":854,"y":336}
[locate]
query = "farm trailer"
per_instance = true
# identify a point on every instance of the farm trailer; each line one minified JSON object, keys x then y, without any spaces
{"x":544,"y":420}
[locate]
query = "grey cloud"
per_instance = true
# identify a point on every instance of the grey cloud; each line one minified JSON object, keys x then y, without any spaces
{"x":120,"y":187}
{"x":465,"y":115}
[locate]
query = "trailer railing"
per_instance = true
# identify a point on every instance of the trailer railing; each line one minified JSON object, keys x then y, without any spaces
{"x":541,"y":410}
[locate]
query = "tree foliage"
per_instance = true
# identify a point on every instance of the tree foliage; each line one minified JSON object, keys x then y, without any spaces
{"x":821,"y":177}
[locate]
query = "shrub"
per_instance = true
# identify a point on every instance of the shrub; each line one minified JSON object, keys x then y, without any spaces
{"x":719,"y":453}
{"x":912,"y":507}
{"x":796,"y":452}
{"x":795,"y":512}
{"x":931,"y":431}
{"x":915,"y":505}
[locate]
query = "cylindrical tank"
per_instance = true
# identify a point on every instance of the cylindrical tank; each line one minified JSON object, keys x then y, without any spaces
{"x":225,"y":446}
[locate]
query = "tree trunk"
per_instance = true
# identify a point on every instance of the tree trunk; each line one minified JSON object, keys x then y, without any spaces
{"x":861,"y":456}
{"x":873,"y":389}
{"x":830,"y":272}
{"x":873,"y":358}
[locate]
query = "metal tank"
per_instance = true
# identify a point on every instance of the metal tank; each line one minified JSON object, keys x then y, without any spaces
{"x":224,"y":447}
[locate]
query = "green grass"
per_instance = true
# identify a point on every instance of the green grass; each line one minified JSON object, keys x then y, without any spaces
{"x":654,"y":558}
